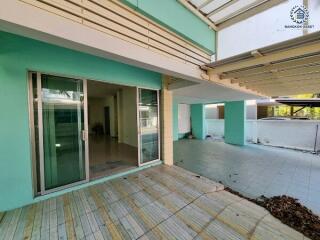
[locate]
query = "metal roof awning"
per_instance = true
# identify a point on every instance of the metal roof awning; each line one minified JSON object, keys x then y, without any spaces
{"x":223,"y":13}
{"x":311,"y":102}
{"x":287,"y":68}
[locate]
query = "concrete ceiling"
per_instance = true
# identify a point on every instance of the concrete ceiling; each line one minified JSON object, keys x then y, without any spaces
{"x":209,"y":93}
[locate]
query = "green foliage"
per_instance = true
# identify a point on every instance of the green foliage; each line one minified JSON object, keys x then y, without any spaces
{"x":285,"y":111}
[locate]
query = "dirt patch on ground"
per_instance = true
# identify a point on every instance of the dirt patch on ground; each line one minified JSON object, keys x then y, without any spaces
{"x":290,"y":212}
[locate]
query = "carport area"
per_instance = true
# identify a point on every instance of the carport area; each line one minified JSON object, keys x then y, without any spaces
{"x":254,"y":170}
{"x":282,"y":69}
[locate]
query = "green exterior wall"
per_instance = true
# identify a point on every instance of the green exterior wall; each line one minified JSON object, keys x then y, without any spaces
{"x":234,"y":122}
{"x":175,"y":120}
{"x":173,"y":15}
{"x":198,"y":121}
{"x":17,"y":56}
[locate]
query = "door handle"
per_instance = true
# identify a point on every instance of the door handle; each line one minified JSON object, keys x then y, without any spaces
{"x":84,"y":135}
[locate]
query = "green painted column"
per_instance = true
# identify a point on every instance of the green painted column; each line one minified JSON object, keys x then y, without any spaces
{"x":198,"y":121}
{"x":175,"y":120}
{"x":235,"y":122}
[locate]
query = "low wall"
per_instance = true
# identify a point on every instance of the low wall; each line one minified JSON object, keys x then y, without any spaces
{"x":296,"y":134}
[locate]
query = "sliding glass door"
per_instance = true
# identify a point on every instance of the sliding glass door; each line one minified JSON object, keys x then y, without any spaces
{"x":60,"y":122}
{"x":148,"y":125}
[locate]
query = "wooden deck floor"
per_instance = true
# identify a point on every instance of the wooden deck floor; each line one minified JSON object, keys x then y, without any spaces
{"x":157,"y":203}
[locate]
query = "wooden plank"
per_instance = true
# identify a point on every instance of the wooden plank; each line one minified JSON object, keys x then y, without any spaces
{"x":53,"y":10}
{"x":29,"y":222}
{"x":15,"y":224}
{"x":79,"y":233}
{"x":19,"y":229}
{"x":158,"y":38}
{"x":36,"y":230}
{"x":103,"y":12}
{"x":101,"y":21}
{"x":103,"y":29}
{"x":115,"y":19}
{"x":164,"y":33}
{"x":5,"y":223}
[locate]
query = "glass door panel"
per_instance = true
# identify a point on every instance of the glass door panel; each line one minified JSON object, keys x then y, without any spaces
{"x":63,"y":127}
{"x":148,"y":125}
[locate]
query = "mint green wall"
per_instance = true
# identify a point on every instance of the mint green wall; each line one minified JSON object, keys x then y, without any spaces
{"x":234,"y":122}
{"x":175,"y":16}
{"x":198,"y":121}
{"x":175,"y":120}
{"x":17,"y":55}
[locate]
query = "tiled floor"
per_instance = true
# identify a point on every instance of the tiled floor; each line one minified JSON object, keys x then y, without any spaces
{"x":157,"y":203}
{"x":107,"y":156}
{"x":254,"y":170}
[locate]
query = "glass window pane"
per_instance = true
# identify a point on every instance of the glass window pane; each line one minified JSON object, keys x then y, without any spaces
{"x":62,"y":112}
{"x":149,"y":129}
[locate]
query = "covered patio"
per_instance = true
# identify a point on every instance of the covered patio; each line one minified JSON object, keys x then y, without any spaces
{"x":157,"y":203}
{"x":254,"y":170}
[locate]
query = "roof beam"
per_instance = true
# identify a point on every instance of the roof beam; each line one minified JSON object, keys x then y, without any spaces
{"x":275,"y":66}
{"x":286,"y":78}
{"x":214,"y":78}
{"x":268,"y":58}
{"x":198,"y":14}
{"x":249,"y":13}
{"x":280,"y":74}
{"x":276,"y":91}
{"x":282,"y":83}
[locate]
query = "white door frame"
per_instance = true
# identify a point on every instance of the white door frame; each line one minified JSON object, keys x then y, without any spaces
{"x":83,"y":133}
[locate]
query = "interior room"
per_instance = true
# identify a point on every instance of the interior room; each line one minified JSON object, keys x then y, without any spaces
{"x":113,"y":135}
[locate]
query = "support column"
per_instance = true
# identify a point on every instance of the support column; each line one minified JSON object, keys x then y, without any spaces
{"x":175,"y":120}
{"x":198,"y":121}
{"x":235,"y":122}
{"x":166,"y":123}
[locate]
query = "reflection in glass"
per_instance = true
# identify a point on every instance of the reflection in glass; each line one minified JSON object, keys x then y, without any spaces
{"x":148,"y":120}
{"x":63,"y":122}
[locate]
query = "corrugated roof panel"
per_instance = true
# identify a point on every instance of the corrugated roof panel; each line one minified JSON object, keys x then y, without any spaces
{"x":237,"y":7}
{"x":213,"y":6}
{"x":197,"y":3}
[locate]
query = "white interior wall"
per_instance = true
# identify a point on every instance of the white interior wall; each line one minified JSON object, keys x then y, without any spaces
{"x":211,"y":111}
{"x":184,"y":118}
{"x":128,"y":111}
{"x":264,"y":29}
{"x":96,"y":112}
{"x":251,"y":109}
{"x":109,"y":102}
